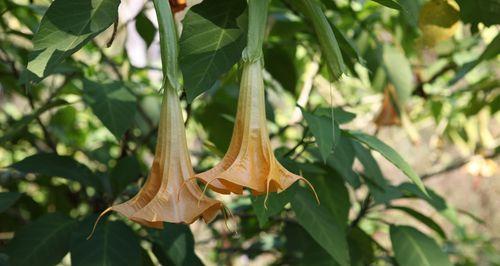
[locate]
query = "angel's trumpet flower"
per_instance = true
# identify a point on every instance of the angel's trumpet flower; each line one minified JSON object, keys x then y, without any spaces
{"x":250,"y":161}
{"x":161,"y":198}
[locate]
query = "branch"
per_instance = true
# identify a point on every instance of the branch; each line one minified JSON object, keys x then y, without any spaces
{"x":456,"y":165}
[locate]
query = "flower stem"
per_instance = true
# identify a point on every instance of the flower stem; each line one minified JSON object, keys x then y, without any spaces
{"x":257,"y":19}
{"x":168,"y":44}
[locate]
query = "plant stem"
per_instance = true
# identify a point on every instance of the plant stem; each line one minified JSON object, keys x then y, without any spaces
{"x":257,"y":19}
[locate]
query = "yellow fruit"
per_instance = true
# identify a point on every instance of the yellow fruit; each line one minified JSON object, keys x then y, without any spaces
{"x":438,"y":21}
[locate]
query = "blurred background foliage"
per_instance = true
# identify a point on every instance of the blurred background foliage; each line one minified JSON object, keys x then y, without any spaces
{"x":79,"y":109}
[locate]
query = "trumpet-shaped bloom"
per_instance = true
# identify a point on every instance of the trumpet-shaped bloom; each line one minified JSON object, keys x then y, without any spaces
{"x":161,"y":199}
{"x":249,"y":161}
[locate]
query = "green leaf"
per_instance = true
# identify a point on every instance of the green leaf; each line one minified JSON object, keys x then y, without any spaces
{"x":325,"y":131}
{"x":412,"y":247}
{"x":334,"y":196}
{"x":112,"y":103}
{"x":145,"y":28}
{"x":51,"y":164}
{"x":409,"y":8}
{"x":390,"y":154}
{"x":349,"y":50}
{"x":360,"y":247}
{"x":42,"y":242}
{"x":422,"y":218}
{"x":303,"y":249}
{"x":65,"y":28}
{"x":398,"y":71}
{"x":113,"y":243}
{"x":491,"y":51}
{"x":341,"y":116}
{"x":211,"y":43}
{"x":7,"y":199}
{"x":435,"y":200}
{"x":380,"y":188}
{"x":175,"y":245}
{"x":324,"y":32}
{"x":126,"y":171}
{"x":323,"y":227}
{"x":275,"y":204}
{"x":342,"y":161}
{"x":485,"y":11}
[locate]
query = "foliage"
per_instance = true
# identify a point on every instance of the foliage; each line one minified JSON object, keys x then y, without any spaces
{"x":79,"y":120}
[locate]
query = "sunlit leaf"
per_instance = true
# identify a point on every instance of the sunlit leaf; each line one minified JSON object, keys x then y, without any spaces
{"x":65,"y":28}
{"x":211,"y":43}
{"x":491,"y":51}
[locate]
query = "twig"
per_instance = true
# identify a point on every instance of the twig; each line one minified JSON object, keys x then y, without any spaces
{"x":365,"y":207}
{"x":113,"y":35}
{"x":453,"y":166}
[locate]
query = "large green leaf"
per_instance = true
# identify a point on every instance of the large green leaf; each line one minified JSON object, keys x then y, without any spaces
{"x":333,"y":195}
{"x":325,"y":35}
{"x":7,"y":199}
{"x":325,"y":131}
{"x":491,"y":51}
{"x":302,"y":249}
{"x":175,"y":245}
{"x":390,"y":154}
{"x":360,"y":247}
{"x":412,"y":247}
{"x":323,"y":227}
{"x":113,"y":243}
{"x":65,"y":28}
{"x":398,"y":71}
{"x":112,"y":103}
{"x":476,"y":11}
{"x":51,"y":164}
{"x":211,"y":43}
{"x":42,"y":242}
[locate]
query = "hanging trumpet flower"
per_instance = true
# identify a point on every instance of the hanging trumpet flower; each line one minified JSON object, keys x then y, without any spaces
{"x":250,"y":161}
{"x":161,"y":199}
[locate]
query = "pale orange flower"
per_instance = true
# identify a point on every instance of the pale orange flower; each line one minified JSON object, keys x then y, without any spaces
{"x":250,"y":161}
{"x":161,"y":199}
